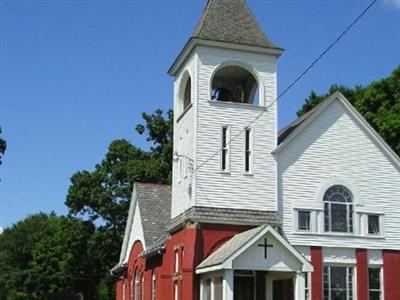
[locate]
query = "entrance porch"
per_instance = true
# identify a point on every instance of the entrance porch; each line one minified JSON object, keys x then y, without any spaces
{"x":255,"y":265}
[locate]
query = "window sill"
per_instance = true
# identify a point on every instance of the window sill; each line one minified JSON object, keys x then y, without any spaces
{"x":225,"y":172}
{"x":248,"y":174}
{"x":184,"y":112}
{"x":236,"y":105}
{"x":345,"y":235}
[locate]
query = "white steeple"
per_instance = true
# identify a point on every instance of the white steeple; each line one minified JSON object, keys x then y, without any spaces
{"x":225,"y":78}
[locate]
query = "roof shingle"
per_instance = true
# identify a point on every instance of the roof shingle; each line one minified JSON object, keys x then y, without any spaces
{"x":231,"y":21}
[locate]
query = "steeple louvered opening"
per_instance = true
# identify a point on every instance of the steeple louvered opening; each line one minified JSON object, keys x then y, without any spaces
{"x":234,"y":84}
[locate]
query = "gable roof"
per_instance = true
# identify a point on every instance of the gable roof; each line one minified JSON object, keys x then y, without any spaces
{"x":227,"y":24}
{"x":291,"y":131}
{"x":223,"y":257}
{"x":230,"y":21}
{"x":154,"y":204}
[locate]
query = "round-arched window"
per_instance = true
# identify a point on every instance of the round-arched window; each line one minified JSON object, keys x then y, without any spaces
{"x":234,"y":84}
{"x":338,"y":209}
{"x":185,"y":92}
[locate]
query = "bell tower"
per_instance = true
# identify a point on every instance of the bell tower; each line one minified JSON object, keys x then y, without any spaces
{"x":224,"y":135}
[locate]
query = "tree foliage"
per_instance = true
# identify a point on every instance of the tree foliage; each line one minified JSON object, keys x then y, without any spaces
{"x":379,"y":103}
{"x":45,"y":256}
{"x":102,"y":195}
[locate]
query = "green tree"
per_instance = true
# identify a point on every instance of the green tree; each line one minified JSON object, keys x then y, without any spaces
{"x":379,"y":103}
{"x":103,"y":194}
{"x":46,"y":255}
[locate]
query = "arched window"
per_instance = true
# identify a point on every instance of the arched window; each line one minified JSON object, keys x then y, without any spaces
{"x":234,"y":84}
{"x":338,"y":209}
{"x":185,"y":92}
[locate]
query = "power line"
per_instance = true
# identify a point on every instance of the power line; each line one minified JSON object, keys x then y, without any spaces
{"x":293,"y":83}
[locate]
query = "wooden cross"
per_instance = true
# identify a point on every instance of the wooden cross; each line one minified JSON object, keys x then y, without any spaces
{"x":265,"y":246}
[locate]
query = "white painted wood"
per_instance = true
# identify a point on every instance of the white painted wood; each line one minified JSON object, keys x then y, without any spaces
{"x":299,"y":286}
{"x":136,"y":233}
{"x":375,"y":257}
{"x":227,"y":285}
{"x":339,"y":256}
{"x":200,"y":127}
{"x":335,"y":146}
{"x":269,"y":288}
{"x":184,"y":141}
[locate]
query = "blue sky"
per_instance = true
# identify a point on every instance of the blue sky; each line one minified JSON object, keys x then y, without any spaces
{"x":76,"y":75}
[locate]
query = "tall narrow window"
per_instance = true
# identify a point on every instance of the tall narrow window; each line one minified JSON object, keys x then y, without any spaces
{"x":338,"y":283}
{"x":138,"y":285}
{"x":225,"y":149}
{"x":176,"y":291}
{"x":248,"y":150}
{"x":123,"y":290}
{"x":153,"y":285}
{"x":374,"y":284}
{"x":177,"y":264}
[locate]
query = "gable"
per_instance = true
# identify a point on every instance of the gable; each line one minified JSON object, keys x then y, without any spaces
{"x":337,"y":145}
{"x":261,"y":248}
{"x":136,"y":233}
{"x":337,"y":130}
{"x":279,"y":258}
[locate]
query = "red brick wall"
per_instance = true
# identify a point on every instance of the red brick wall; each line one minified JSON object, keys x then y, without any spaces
{"x":362,"y":274}
{"x":196,"y":244}
{"x":391,"y":274}
{"x":316,"y":276}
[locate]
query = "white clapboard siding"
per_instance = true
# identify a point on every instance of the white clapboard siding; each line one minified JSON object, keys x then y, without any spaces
{"x":235,"y":190}
{"x":334,"y":144}
{"x":209,"y":186}
{"x":184,"y":128}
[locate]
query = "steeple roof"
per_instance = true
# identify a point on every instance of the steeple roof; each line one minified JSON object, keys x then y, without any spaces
{"x":231,"y":21}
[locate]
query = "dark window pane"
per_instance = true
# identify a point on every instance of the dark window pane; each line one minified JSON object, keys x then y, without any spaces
{"x":247,"y":139}
{"x":339,"y":217}
{"x":373,"y":224}
{"x":375,"y":295}
{"x":304,"y":220}
{"x":326,"y":216}
{"x":338,"y":277}
{"x":223,"y":164}
{"x":224,"y":129}
{"x":338,"y":295}
{"x":374,"y":278}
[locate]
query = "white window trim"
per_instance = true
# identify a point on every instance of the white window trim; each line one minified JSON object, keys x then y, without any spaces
{"x":251,"y":150}
{"x":381,"y":283}
{"x":228,"y":148}
{"x":347,"y":266}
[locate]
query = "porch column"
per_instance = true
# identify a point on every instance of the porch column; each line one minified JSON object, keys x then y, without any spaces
{"x":269,"y":287}
{"x":227,"y":285}
{"x":299,"y":286}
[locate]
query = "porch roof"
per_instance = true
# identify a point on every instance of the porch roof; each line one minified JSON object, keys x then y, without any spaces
{"x":224,"y":257}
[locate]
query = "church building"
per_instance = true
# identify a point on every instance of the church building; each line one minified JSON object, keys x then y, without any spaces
{"x":309,"y":212}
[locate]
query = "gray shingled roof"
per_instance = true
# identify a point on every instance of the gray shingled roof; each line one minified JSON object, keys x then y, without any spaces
{"x":155,"y":209}
{"x":231,"y":21}
{"x":226,"y":216}
{"x":230,"y":247}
